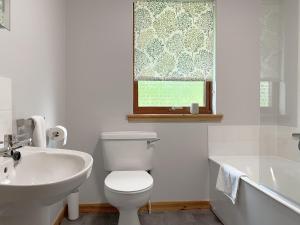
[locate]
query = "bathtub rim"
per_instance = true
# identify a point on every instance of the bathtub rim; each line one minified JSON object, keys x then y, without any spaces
{"x":277,"y":197}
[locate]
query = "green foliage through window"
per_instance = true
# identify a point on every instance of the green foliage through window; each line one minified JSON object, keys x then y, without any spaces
{"x":171,"y":93}
{"x":265,"y":94}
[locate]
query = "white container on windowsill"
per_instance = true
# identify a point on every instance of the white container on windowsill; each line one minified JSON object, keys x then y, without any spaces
{"x":194,"y":108}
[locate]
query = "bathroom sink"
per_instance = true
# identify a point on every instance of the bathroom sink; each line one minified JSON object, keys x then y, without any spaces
{"x":42,"y":177}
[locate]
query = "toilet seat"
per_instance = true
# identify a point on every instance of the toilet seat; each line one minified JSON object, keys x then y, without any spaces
{"x":128,"y":181}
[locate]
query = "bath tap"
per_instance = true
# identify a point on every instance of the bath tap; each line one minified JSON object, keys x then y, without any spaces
{"x":11,"y":144}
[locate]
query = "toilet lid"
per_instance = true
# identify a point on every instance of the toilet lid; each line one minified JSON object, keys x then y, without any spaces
{"x":128,"y":181}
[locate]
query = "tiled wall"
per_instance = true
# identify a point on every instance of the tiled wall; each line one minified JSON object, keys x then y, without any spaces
{"x":287,"y":146}
{"x":270,"y":140}
{"x":5,"y":107}
{"x":278,"y":141}
{"x":233,"y":140}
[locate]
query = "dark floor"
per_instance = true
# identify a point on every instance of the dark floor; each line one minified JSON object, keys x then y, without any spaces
{"x":188,"y":217}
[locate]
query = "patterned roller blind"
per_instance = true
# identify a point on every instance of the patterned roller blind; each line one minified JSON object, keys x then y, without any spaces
{"x":174,"y":40}
{"x":1,"y":11}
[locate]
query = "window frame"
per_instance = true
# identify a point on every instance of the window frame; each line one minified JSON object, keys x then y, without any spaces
{"x":270,"y":94}
{"x":274,"y":106}
{"x":207,"y":109}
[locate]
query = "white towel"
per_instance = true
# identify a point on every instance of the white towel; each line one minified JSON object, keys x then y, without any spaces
{"x":228,"y":181}
{"x":39,"y":132}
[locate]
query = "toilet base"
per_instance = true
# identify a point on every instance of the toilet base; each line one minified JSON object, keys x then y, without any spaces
{"x":128,"y":203}
{"x":129,"y":217}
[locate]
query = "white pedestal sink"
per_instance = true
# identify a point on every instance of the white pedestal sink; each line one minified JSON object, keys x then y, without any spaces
{"x":41,"y":178}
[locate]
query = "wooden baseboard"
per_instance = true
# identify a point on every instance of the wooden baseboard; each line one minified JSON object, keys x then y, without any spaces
{"x":177,"y":206}
{"x":156,"y":207}
{"x":61,"y":215}
{"x":97,"y":208}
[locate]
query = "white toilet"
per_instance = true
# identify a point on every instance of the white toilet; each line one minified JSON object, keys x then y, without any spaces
{"x":128,"y":158}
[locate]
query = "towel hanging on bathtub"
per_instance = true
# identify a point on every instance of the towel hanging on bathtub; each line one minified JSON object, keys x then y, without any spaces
{"x":39,"y":132}
{"x":228,"y":181}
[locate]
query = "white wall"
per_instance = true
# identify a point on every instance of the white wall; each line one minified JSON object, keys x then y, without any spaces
{"x":33,"y":55}
{"x":5,"y":108}
{"x":99,"y":92}
{"x":238,"y":61}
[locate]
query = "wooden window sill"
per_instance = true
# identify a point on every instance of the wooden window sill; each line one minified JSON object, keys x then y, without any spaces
{"x":174,"y":118}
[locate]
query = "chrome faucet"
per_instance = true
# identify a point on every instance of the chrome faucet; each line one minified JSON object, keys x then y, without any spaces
{"x":11,"y":144}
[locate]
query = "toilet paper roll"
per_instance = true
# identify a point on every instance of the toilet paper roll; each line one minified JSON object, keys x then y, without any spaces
{"x":58,"y":134}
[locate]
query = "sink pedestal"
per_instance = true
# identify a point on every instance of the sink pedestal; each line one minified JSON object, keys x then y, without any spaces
{"x":26,"y":216}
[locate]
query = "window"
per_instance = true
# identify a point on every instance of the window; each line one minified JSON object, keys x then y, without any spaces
{"x":171,"y":97}
{"x":265,"y":94}
{"x":174,"y":52}
{"x":171,"y":93}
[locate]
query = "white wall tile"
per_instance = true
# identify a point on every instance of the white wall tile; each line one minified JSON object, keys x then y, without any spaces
{"x":5,"y":107}
{"x":268,"y":140}
{"x":233,"y":140}
{"x":287,"y":146}
{"x":5,"y":123}
{"x":278,"y":141}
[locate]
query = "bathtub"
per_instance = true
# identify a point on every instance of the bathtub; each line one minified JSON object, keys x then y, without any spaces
{"x":270,"y":195}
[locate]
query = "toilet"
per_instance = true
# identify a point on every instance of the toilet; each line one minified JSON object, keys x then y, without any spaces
{"x":127,"y":156}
